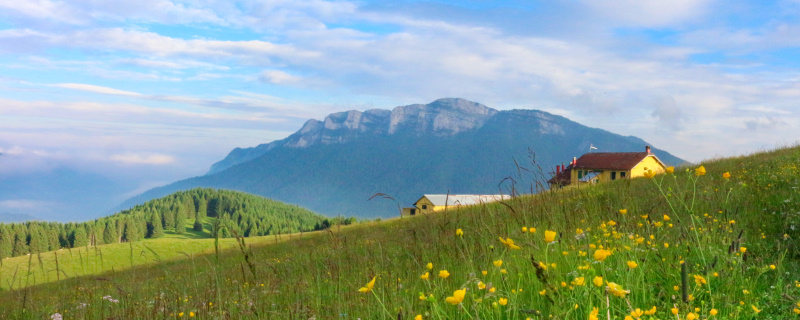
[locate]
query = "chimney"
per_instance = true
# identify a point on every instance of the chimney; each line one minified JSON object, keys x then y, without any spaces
{"x":647,"y":148}
{"x":563,"y":167}
{"x":574,"y":161}
{"x":558,"y":169}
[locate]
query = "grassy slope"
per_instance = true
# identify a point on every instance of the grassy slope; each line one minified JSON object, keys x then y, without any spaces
{"x":84,"y":261}
{"x":319,"y":275}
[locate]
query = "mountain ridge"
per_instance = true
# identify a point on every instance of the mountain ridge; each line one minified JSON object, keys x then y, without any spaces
{"x":334,"y":168}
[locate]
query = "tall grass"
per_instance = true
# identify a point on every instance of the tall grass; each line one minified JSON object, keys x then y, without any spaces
{"x":703,"y":247}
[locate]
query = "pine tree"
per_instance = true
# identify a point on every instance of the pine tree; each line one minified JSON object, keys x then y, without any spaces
{"x":6,"y":241}
{"x":180,"y":223}
{"x":110,"y":232}
{"x":78,"y":237}
{"x":154,"y":227}
{"x":20,"y":240}
{"x":37,"y":242}
{"x":131,"y":230}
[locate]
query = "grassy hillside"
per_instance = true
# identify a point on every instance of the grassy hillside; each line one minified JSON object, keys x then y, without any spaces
{"x":695,"y":246}
{"x":234,"y":213}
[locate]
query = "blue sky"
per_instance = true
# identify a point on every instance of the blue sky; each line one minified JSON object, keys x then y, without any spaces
{"x":158,"y":90}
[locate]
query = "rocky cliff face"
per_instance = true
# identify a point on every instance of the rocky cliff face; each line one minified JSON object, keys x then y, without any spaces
{"x":443,"y":117}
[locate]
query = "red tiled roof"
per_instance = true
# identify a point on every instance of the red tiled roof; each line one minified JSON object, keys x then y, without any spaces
{"x":563,"y":177}
{"x":611,"y":160}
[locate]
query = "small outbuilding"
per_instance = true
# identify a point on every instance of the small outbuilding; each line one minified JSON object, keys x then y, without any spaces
{"x":437,"y":202}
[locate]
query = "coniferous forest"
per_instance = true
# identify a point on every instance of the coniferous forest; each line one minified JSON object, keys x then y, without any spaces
{"x":231,"y":214}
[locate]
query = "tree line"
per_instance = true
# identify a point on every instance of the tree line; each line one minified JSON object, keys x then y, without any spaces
{"x":237,"y":213}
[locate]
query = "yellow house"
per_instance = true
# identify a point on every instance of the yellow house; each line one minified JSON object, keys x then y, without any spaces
{"x":437,"y":202}
{"x":606,"y":166}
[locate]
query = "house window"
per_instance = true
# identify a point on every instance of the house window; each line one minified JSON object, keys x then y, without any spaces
{"x":613,"y":175}
{"x":622,"y":175}
{"x":580,"y":175}
{"x":424,"y":206}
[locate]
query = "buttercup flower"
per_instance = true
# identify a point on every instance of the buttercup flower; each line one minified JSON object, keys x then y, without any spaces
{"x":670,"y":169}
{"x":649,"y":173}
{"x":651,"y":312}
{"x":459,"y":232}
{"x":632,"y":264}
{"x":726,"y":175}
{"x":623,"y":211}
{"x":457,"y":297}
{"x":579,"y":281}
{"x":601,"y":254}
{"x":699,"y":280}
{"x":510,"y":243}
{"x":497,"y":263}
{"x":713,"y":312}
{"x":593,"y":314}
{"x":617,"y":290}
{"x":503,"y":301}
{"x":368,"y":287}
{"x":425,"y":276}
{"x":597,"y":281}
{"x":429,"y":266}
{"x":549,"y":236}
{"x":700,"y":171}
{"x":418,"y":317}
{"x":444,"y":274}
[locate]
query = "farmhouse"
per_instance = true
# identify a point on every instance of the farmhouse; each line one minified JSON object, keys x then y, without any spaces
{"x":606,"y":166}
{"x":438,"y":202}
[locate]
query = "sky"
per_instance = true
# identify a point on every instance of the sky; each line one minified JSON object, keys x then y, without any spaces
{"x":151,"y":91}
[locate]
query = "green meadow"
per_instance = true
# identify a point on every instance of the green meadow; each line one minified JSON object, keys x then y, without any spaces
{"x":716,"y":240}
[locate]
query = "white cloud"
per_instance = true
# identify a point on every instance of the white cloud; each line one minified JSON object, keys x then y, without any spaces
{"x":97,"y":89}
{"x":648,"y":13}
{"x":149,"y":159}
{"x":278,"y":77}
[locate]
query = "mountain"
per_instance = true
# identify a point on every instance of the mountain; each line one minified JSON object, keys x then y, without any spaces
{"x":450,"y":145}
{"x":59,"y":194}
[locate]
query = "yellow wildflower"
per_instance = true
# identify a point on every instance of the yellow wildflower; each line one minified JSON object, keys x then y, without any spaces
{"x":670,"y":169}
{"x":632,"y":264}
{"x":457,"y":297}
{"x":617,"y":290}
{"x":713,"y":312}
{"x":180,"y":314}
{"x":418,"y":317}
{"x":368,"y":287}
{"x":444,"y":274}
{"x":510,"y":243}
{"x":549,"y":236}
{"x":601,"y":254}
{"x":700,"y":171}
{"x":772,"y":267}
{"x":532,"y":230}
{"x":691,"y":316}
{"x":191,"y":314}
{"x":726,"y":175}
{"x":674,"y":311}
{"x":637,"y":313}
{"x":579,"y":281}
{"x":597,"y":281}
{"x":524,"y":229}
{"x":699,"y":280}
{"x":623,"y":211}
{"x":503,"y":301}
{"x":743,"y":249}
{"x":429,"y":266}
{"x":651,"y":312}
{"x":593,"y":314}
{"x":756,"y":310}
{"x":649,"y":173}
{"x":484,"y":272}
{"x":425,"y":276}
{"x":497,"y":263}
{"x":481,"y":285}
{"x":459,"y":232}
